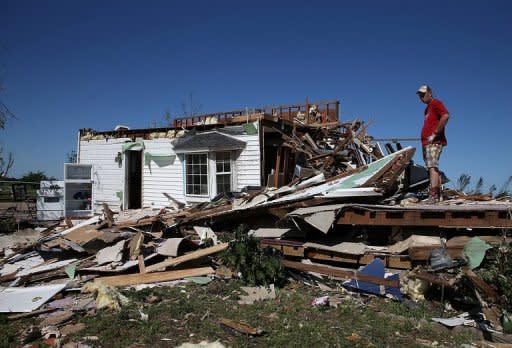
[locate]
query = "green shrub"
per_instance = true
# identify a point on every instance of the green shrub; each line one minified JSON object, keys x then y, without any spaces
{"x":7,"y":225}
{"x":257,"y":265}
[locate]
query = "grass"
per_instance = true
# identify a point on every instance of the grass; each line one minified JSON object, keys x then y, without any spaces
{"x":190,"y":313}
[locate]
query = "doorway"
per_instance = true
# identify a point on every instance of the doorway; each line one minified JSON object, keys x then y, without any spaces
{"x":133,"y":180}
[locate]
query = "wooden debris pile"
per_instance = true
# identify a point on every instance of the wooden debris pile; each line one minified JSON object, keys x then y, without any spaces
{"x":335,"y":148}
{"x":336,"y":228}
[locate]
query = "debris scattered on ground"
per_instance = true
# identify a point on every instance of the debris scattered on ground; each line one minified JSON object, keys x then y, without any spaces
{"x":352,"y":222}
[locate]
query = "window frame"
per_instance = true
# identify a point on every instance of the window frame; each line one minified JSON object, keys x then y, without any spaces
{"x":186,"y":174}
{"x":211,"y":173}
{"x":231,"y":170}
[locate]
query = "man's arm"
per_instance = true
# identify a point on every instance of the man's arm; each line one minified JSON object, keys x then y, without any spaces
{"x":442,"y":122}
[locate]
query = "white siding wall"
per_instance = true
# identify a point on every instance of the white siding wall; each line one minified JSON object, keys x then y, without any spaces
{"x":159,"y":176}
{"x":248,"y":164}
{"x":108,"y":177}
{"x":166,"y":178}
{"x":169,"y":178}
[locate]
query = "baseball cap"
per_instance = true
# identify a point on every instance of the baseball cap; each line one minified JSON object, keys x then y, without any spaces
{"x":423,"y":89}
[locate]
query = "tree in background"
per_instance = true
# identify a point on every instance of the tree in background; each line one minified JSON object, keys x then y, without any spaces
{"x":5,"y":113}
{"x":189,"y":108}
{"x":168,"y":118}
{"x":71,"y":157}
{"x":504,"y":190}
{"x":37,"y":176}
{"x":192,"y":109}
{"x":464,"y":181}
{"x":6,"y":163}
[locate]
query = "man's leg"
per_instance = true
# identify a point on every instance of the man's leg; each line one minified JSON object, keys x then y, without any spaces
{"x":431,"y":154}
{"x":435,"y":177}
{"x":435,"y":182}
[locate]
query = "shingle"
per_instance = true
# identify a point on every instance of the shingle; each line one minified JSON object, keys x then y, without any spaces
{"x":211,"y":141}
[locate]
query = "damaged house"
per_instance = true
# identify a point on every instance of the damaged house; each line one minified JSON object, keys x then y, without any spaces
{"x":193,"y":161}
{"x":321,"y":196}
{"x":296,"y":163}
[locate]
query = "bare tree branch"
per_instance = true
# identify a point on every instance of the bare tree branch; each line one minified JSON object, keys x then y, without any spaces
{"x":5,"y":113}
{"x":5,"y":165}
{"x":192,"y":109}
{"x":463,"y":182}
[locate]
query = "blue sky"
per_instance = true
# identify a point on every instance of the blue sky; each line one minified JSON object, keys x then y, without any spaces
{"x":68,"y":65}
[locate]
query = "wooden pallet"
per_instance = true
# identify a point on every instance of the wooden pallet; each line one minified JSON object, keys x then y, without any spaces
{"x":444,"y":217}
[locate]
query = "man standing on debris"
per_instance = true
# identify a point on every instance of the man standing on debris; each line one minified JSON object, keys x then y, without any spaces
{"x":433,"y":138}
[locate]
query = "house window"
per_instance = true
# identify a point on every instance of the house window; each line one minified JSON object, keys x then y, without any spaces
{"x":223,"y":173}
{"x":51,"y":199}
{"x":197,"y":174}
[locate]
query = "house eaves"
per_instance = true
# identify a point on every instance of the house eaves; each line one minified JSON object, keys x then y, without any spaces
{"x":207,"y":142}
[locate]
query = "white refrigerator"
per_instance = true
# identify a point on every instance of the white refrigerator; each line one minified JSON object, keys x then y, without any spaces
{"x":50,"y":200}
{"x":78,"y":190}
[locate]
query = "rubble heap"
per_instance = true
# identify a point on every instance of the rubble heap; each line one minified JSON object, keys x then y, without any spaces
{"x":356,"y":216}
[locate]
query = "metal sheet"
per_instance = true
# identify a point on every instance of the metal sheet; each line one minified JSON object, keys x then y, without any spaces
{"x":27,"y":299}
{"x":269,"y":232}
{"x":45,"y":268}
{"x":353,"y":192}
{"x":344,"y":247}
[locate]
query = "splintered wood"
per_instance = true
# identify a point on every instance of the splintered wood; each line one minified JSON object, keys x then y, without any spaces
{"x":334,"y":148}
{"x":139,"y":278}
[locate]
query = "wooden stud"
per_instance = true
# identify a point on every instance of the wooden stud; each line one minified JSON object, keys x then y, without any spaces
{"x":148,"y":278}
{"x":142,"y":266}
{"x":336,"y":272}
{"x":277,"y":167}
{"x":187,"y":257}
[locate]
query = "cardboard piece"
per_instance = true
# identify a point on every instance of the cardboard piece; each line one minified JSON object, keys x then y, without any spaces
{"x":171,"y":247}
{"x":110,"y":254}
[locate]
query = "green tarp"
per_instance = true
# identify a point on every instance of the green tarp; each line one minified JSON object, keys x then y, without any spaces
{"x":160,"y":158}
{"x":474,"y":252}
{"x":132,"y":146}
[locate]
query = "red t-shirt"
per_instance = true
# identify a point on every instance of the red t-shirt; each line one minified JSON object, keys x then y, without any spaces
{"x":433,"y":113}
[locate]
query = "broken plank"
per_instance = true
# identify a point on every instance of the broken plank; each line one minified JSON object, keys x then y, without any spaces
{"x":138,"y":278}
{"x":336,"y":272}
{"x":142,"y":266}
{"x":140,"y":222}
{"x":187,"y":257}
{"x":68,"y":222}
{"x":288,"y":248}
{"x":31,"y":314}
{"x":109,"y":215}
{"x":481,"y":285}
{"x":240,"y":327}
{"x":422,"y":253}
{"x":135,"y":244}
{"x":443,"y":280}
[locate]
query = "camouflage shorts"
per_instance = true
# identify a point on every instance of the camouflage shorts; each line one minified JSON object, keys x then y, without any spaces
{"x":431,"y":155}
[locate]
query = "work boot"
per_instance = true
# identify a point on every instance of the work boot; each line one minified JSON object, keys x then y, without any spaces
{"x":433,"y":195}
